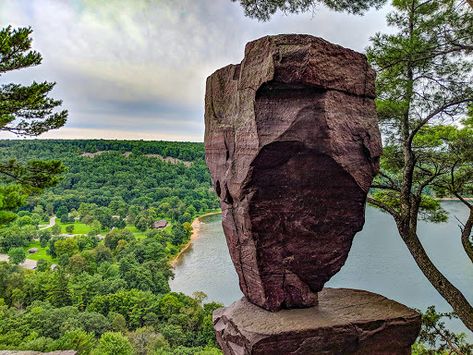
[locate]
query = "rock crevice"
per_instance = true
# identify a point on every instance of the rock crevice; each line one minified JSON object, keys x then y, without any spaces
{"x":345,"y":322}
{"x":292,"y":144}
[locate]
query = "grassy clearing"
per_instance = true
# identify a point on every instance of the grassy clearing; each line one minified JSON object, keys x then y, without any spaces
{"x":132,"y":228}
{"x":136,"y":232}
{"x":79,"y":228}
{"x":140,"y":235}
{"x":41,"y":254}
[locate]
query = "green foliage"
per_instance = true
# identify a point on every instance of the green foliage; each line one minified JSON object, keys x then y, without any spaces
{"x":11,"y":197}
{"x":42,"y":265}
{"x":424,"y":97}
{"x":183,"y":350}
{"x":174,"y":333}
{"x":112,"y":189}
{"x":62,"y":211}
{"x":88,"y":295}
{"x":76,"y":339}
{"x":113,"y":238}
{"x":113,"y":343}
{"x":264,"y":9}
{"x":421,"y":76}
{"x":16,"y":236}
{"x":436,"y":338}
{"x":115,"y":284}
{"x":34,"y":174}
{"x":421,"y":349}
{"x":67,"y":247}
{"x":27,"y":111}
{"x":15,"y":49}
{"x":146,"y":340}
{"x":56,"y":229}
{"x":16,"y":255}
{"x":44,"y":237}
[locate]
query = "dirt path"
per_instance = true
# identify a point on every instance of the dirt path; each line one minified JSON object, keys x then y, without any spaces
{"x":27,"y":264}
{"x":52,"y":222}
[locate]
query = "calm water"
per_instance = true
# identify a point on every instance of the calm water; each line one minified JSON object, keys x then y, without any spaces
{"x":378,"y":262}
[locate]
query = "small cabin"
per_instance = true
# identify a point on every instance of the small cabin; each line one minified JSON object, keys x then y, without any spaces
{"x":160,"y":224}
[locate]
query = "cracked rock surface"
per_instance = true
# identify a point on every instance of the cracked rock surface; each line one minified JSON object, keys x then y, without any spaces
{"x":292,"y":143}
{"x":345,"y":322}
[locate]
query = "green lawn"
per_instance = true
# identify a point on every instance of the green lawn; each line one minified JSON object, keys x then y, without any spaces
{"x":41,"y":254}
{"x":79,"y":228}
{"x":139,"y":235}
{"x":132,"y":228}
{"x":136,"y":232}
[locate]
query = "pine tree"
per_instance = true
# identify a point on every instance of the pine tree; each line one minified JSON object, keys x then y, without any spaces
{"x":24,"y":111}
{"x":425,"y":89}
{"x":264,"y":9}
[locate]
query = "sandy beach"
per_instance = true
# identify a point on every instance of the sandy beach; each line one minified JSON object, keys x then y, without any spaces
{"x":195,"y":233}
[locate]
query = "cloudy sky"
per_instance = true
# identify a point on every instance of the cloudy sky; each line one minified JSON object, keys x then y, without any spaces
{"x":136,"y":69}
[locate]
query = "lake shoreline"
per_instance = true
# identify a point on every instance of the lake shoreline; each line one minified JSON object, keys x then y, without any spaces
{"x":196,"y":228}
{"x":195,"y":233}
{"x":378,"y":262}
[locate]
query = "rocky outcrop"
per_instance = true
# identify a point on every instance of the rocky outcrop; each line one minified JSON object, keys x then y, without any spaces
{"x":345,"y":322}
{"x":292,"y":144}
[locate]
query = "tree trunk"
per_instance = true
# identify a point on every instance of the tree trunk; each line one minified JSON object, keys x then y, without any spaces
{"x":410,"y":203}
{"x":449,"y":292}
{"x":466,"y":233}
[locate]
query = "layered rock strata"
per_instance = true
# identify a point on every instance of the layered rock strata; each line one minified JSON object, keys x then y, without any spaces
{"x":345,"y":322}
{"x":292,"y":143}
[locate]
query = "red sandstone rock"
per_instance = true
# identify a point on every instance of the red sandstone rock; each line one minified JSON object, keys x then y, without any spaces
{"x":345,"y":322}
{"x":292,"y":144}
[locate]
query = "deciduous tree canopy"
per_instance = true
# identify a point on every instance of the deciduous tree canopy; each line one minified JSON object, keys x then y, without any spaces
{"x":109,"y":288}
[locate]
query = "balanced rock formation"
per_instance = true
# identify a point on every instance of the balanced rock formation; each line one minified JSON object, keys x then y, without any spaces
{"x":292,"y":143}
{"x":345,"y":322}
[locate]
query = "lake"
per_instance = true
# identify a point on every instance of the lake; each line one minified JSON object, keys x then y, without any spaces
{"x":378,"y":262}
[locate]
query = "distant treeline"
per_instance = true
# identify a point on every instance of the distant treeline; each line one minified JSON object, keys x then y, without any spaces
{"x":53,"y":148}
{"x":135,"y":179}
{"x":105,"y":286}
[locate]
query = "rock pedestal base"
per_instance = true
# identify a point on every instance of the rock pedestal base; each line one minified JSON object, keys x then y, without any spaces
{"x":345,"y":321}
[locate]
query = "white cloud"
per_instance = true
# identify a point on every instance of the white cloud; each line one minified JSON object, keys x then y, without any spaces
{"x":154,"y":51}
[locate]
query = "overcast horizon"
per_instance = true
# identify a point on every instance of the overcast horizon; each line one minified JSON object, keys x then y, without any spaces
{"x":136,"y":69}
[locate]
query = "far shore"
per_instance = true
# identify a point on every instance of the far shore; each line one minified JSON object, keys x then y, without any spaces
{"x":195,"y":233}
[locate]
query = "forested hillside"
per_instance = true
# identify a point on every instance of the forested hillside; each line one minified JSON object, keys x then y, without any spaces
{"x":100,"y":260}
